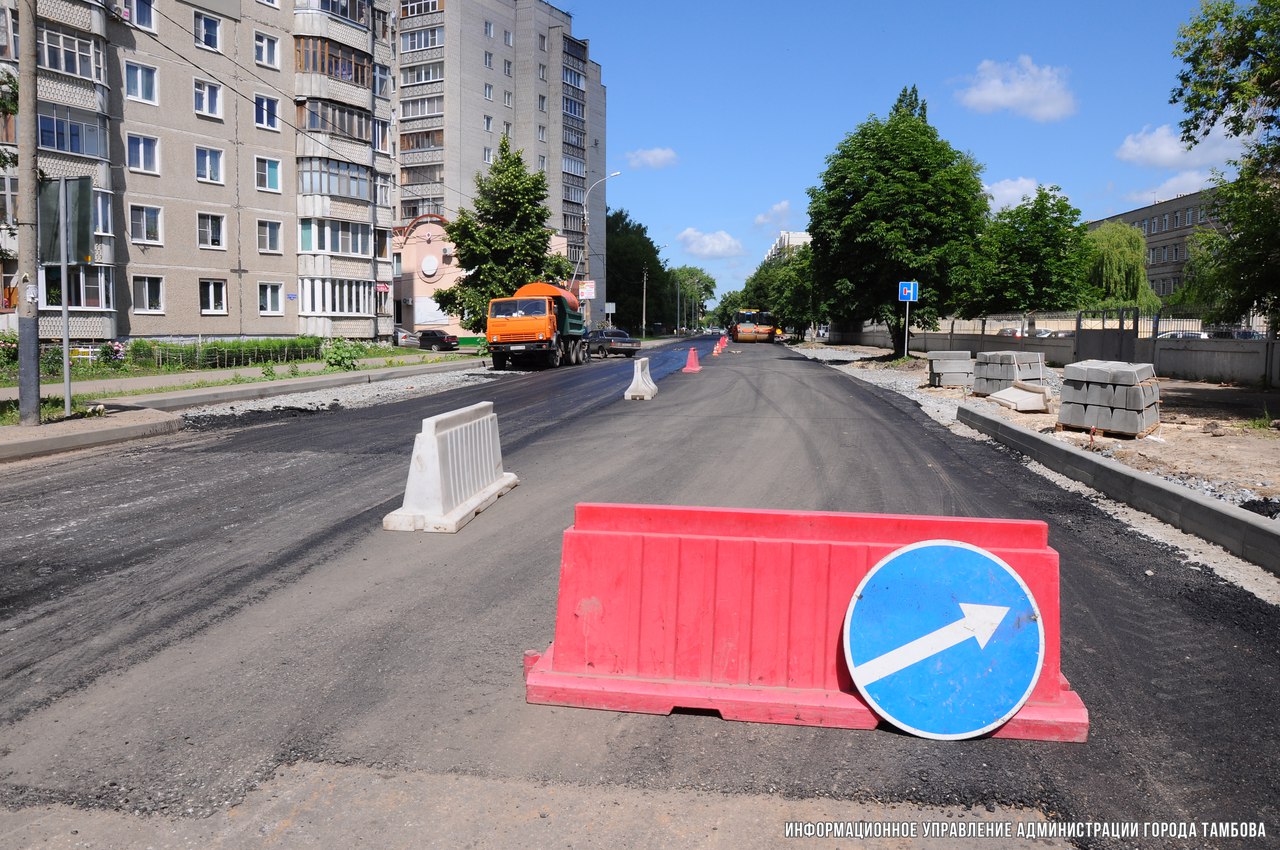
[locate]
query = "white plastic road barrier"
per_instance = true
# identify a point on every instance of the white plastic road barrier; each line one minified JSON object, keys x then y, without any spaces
{"x":642,"y":386}
{"x":456,"y":471}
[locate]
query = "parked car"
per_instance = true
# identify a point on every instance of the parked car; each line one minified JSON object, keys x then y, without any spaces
{"x":1063,"y":334}
{"x":1041,"y":333}
{"x":1014,"y":332}
{"x":602,"y":343}
{"x":1182,"y":335}
{"x":437,"y":340}
{"x":403,"y":336}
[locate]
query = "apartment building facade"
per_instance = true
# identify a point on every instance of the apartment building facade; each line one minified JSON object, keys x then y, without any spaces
{"x":249,"y":157}
{"x":1166,"y":225}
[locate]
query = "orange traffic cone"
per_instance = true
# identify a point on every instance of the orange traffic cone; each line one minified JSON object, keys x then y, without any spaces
{"x":692,"y":365}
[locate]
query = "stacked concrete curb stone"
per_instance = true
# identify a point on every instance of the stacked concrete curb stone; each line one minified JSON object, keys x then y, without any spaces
{"x":997,"y":370}
{"x":950,"y":369}
{"x":1119,"y":398}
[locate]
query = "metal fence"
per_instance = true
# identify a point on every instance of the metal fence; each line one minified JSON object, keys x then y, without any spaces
{"x":1166,"y":323}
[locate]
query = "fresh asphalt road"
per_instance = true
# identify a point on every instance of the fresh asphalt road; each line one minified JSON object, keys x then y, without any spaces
{"x":186,"y":619}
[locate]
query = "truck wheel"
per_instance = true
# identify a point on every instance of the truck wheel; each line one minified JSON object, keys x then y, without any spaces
{"x":576,"y":352}
{"x":499,"y":362}
{"x":554,"y":356}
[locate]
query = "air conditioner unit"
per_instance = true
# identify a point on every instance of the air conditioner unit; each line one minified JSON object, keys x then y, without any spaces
{"x":446,"y":251}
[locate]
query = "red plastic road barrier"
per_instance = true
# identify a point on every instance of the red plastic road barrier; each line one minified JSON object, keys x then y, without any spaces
{"x":691,"y":365}
{"x":742,"y":612}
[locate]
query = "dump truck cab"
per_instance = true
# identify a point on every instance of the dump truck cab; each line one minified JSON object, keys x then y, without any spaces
{"x":539,"y":323}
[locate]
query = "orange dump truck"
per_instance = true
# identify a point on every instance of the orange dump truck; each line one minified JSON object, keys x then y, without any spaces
{"x":541,"y":323}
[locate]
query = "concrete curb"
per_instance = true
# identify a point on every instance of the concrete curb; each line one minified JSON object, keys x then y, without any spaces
{"x":180,"y":399}
{"x":1252,"y":537}
{"x":120,"y":426}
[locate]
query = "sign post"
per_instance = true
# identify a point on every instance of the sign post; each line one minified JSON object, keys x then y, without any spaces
{"x":908,"y":291}
{"x":944,"y":640}
{"x":65,"y":237}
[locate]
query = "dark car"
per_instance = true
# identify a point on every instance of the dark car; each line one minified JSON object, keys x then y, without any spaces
{"x":608,"y":341}
{"x":1014,"y":332}
{"x":437,"y":340}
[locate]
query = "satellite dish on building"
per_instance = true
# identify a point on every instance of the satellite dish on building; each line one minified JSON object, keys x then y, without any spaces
{"x":430,"y":265}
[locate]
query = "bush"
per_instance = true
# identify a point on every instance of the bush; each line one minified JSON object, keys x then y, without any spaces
{"x":8,"y":349}
{"x":112,"y":354}
{"x":142,"y":352}
{"x":342,"y":354}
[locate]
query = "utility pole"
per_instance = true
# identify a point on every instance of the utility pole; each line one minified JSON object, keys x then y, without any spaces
{"x":644,"y":299}
{"x":28,"y":187}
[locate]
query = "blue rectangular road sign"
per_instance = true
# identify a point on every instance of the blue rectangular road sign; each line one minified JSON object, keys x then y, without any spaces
{"x":909,"y":290}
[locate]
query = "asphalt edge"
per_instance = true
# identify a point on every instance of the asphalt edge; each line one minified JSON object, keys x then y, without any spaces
{"x":1244,"y":534}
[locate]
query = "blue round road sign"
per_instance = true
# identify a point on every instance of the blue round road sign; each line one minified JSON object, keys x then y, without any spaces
{"x":944,"y":640}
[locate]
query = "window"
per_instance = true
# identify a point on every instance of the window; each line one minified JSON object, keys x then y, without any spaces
{"x":422,"y":140}
{"x":488,"y":29}
{"x":488,"y":123}
{"x":574,"y":108}
{"x":542,"y":42}
{"x":506,"y":129}
{"x":319,"y":176}
{"x":415,"y":207}
{"x":88,"y":287}
{"x":102,"y":222}
{"x":209,"y":231}
{"x":275,"y":4}
{"x":148,"y":294}
{"x":422,"y":174}
{"x":144,"y":154}
{"x":542,"y":72}
{"x":72,"y":131}
{"x":266,"y":174}
{"x":381,"y":81}
{"x":329,"y":236}
{"x":542,"y":132}
{"x":573,"y":165}
{"x":574,"y":78}
{"x":208,"y":165}
{"x":507,"y":67}
{"x":507,"y":39}
{"x":266,"y":112}
{"x":542,"y":103}
{"x":507,"y":99}
{"x":421,"y":39}
{"x":320,"y":116}
{"x":488,"y":59}
{"x":140,"y":82}
{"x":144,"y":225}
{"x":213,"y":297}
{"x":1166,"y":222}
{"x":69,"y":52}
{"x":208,"y":30}
{"x":208,"y":99}
{"x":575,"y":137}
{"x":422,"y":106}
{"x":141,"y":13}
{"x":266,"y":50}
{"x":409,"y":8}
{"x":334,"y":60}
{"x":488,"y":156}
{"x":268,"y":237}
{"x":381,"y":136}
{"x":269,"y":299}
{"x":542,"y":162}
{"x":383,"y":187}
{"x":488,"y":91}
{"x":326,"y":297}
{"x":1177,"y":218}
{"x":356,"y":11}
{"x":415,"y":74}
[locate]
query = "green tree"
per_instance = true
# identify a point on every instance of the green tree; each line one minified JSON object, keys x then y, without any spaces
{"x":696,"y":287}
{"x":1231,"y":77}
{"x":503,"y":243}
{"x":1117,"y":267}
{"x":896,"y":202}
{"x":730,"y":303}
{"x":635,"y":272}
{"x":783,"y":284}
{"x":1031,"y":257}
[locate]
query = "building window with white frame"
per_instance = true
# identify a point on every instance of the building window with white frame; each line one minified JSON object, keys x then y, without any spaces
{"x":507,"y":38}
{"x":145,"y":225}
{"x":421,"y":39}
{"x":208,"y":165}
{"x":269,"y":299}
{"x":431,"y":72}
{"x":213,"y":297}
{"x":508,"y":67}
{"x":208,"y":30}
{"x":88,"y":287}
{"x":141,"y":13}
{"x":266,"y":112}
{"x":508,"y":99}
{"x":488,"y":123}
{"x":208,"y":99}
{"x":488,"y":29}
{"x":488,"y":156}
{"x":542,"y":103}
{"x":148,"y":294}
{"x":144,"y":154}
{"x":269,"y":236}
{"x":103,"y":225}
{"x":69,"y":52}
{"x":211,"y":231}
{"x":410,"y":8}
{"x":266,"y":174}
{"x":542,"y":132}
{"x":140,"y":83}
{"x":488,"y":91}
{"x":266,"y":50}
{"x":488,"y":58}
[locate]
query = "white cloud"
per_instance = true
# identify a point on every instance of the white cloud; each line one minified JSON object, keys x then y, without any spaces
{"x":1182,"y":183}
{"x":1009,"y":193}
{"x":652,"y":158}
{"x":709,"y":245}
{"x":1163,"y":148}
{"x":1022,"y":87}
{"x":779,"y":214}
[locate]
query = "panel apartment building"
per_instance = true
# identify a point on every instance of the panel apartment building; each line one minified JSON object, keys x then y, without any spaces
{"x":251,"y":159}
{"x":1165,"y":226}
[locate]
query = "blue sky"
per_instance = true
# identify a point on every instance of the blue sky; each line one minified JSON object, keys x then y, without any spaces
{"x":722,"y":114}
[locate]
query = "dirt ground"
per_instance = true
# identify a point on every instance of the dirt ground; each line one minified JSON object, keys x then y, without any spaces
{"x":1220,"y":439}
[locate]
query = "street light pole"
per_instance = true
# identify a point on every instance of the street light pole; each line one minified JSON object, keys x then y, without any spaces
{"x":586,"y":239}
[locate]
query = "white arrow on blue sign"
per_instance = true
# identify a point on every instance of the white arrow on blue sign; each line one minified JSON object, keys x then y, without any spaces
{"x":909,"y":290}
{"x":944,"y":640}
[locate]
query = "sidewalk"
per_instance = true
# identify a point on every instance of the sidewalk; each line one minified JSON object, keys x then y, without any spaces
{"x":134,"y":416}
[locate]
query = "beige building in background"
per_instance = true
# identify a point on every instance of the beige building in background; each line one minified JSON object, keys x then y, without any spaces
{"x":1166,"y":225}
{"x":252,"y":158}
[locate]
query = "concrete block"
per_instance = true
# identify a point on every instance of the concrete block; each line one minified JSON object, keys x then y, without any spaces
{"x":1033,"y":388}
{"x":1021,"y":400}
{"x":1099,"y":373}
{"x":954,"y":379}
{"x":1102,"y":395}
{"x":1072,"y":414}
{"x":1073,"y":391}
{"x":1028,"y":357}
{"x":1125,"y":421}
{"x":948,"y":355}
{"x":1076,"y":371}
